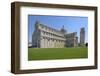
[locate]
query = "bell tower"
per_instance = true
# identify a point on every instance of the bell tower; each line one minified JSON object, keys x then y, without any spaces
{"x":82,"y":35}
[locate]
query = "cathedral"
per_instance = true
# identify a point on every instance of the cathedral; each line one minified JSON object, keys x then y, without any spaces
{"x":48,"y":37}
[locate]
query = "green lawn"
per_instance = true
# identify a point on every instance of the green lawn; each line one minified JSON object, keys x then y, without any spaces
{"x":57,"y":53}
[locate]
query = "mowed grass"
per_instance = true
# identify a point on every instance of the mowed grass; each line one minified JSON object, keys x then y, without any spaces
{"x":57,"y":53}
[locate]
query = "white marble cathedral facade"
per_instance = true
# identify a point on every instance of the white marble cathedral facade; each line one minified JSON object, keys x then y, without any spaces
{"x":47,"y":37}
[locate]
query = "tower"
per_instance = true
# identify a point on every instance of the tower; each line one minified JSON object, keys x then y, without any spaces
{"x":36,"y":35}
{"x":82,"y":36}
{"x":37,"y":24}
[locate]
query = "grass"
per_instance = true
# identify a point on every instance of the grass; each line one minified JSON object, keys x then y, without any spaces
{"x":57,"y":53}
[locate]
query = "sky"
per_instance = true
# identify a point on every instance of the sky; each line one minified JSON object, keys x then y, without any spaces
{"x":70,"y":23}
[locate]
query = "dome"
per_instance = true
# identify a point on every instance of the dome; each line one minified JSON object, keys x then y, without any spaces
{"x":63,"y":30}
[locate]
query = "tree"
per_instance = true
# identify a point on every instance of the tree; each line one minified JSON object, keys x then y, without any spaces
{"x":86,"y":44}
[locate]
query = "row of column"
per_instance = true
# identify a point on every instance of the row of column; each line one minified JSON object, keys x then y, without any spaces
{"x":51,"y":43}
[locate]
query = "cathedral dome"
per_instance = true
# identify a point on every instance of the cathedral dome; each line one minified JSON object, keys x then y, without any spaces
{"x":63,"y":30}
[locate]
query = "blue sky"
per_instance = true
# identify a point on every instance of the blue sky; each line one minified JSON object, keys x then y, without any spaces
{"x":70,"y":23}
